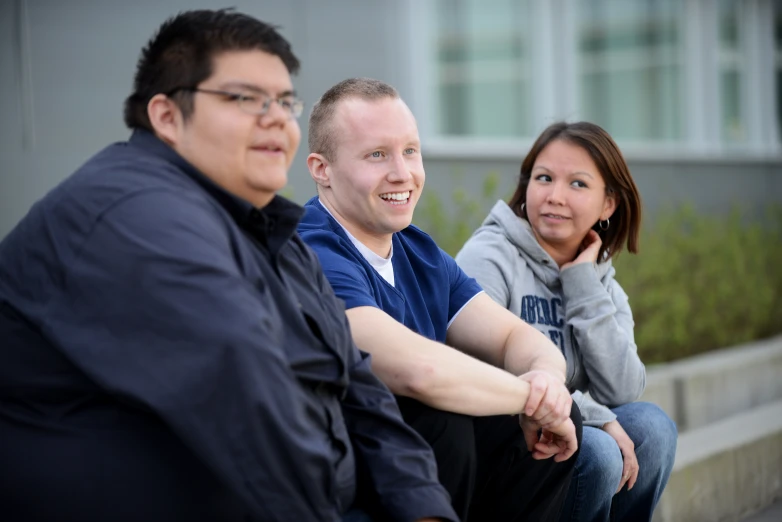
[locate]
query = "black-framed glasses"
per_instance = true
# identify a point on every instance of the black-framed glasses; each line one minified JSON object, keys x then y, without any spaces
{"x":256,"y":104}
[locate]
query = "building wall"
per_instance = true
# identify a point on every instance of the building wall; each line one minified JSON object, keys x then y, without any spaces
{"x":67,"y":65}
{"x":710,"y":187}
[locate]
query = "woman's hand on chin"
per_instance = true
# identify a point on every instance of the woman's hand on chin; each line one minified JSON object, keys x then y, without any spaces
{"x":590,"y":247}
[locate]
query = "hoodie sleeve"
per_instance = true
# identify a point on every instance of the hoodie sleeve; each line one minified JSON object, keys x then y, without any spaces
{"x":603,"y":326}
{"x":592,"y":413}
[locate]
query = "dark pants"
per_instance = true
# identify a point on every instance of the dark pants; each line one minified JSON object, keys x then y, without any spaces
{"x":484,"y":464}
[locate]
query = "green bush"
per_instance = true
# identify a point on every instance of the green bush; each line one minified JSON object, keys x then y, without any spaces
{"x":704,"y":282}
{"x":452,"y":226}
{"x":699,"y":283}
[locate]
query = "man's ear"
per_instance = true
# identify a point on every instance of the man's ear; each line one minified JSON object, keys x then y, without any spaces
{"x":319,"y":169}
{"x":165,"y":117}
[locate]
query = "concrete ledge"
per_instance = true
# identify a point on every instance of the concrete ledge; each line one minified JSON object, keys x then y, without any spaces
{"x":727,"y":470}
{"x":661,"y":389}
{"x":706,"y":388}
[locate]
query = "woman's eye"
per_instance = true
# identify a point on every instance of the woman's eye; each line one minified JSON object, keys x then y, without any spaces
{"x":410,"y":151}
{"x":543,"y":177}
{"x":579,"y":184}
{"x":377,"y":154}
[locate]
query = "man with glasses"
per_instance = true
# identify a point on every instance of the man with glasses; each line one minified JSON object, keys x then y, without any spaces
{"x":170,"y":348}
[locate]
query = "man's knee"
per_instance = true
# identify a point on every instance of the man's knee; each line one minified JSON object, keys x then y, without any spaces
{"x":451,"y":435}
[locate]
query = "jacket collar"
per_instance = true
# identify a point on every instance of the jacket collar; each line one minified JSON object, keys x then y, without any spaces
{"x":273,"y":224}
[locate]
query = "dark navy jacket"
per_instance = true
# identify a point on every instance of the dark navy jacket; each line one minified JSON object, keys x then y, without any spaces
{"x":169,"y":352}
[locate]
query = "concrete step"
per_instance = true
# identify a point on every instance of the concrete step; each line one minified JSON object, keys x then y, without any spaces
{"x":706,"y":388}
{"x":726,"y":470}
{"x":770,"y":514}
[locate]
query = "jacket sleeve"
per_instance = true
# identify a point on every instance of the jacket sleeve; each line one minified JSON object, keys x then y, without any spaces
{"x":396,"y":467}
{"x":157,"y":313}
{"x":398,"y":464}
{"x":603,"y":327}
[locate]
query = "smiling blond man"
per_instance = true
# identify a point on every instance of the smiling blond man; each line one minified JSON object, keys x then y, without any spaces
{"x":462,"y":367}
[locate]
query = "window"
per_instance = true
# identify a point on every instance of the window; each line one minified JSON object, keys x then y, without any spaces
{"x":729,"y":62}
{"x":483,"y":73}
{"x":778,"y":61}
{"x":629,"y":73}
{"x":659,"y":74}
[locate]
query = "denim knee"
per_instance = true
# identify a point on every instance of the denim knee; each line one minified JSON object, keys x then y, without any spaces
{"x":600,"y":461}
{"x":652,"y":431}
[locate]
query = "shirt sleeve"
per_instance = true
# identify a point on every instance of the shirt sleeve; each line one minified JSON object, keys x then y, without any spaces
{"x":343,"y":269}
{"x":155,"y":311}
{"x":462,"y":287}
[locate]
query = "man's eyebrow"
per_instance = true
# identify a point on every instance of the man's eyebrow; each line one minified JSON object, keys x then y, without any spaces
{"x":255,"y":88}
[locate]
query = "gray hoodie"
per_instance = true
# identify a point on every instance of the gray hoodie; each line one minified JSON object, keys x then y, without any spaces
{"x":582,"y":309}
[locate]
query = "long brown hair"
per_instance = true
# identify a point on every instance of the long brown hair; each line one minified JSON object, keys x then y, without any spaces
{"x":625,"y":223}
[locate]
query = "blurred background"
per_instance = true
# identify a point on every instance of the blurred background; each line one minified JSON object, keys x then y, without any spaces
{"x":690,"y":89}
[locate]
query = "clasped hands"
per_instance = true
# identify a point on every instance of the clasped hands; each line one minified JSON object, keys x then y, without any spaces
{"x":545,"y":421}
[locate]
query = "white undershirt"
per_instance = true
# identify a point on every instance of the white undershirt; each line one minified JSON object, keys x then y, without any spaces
{"x":382,"y":265}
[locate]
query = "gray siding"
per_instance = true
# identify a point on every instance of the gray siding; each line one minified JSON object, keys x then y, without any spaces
{"x":66,"y":67}
{"x":709,"y":186}
{"x":62,"y":89}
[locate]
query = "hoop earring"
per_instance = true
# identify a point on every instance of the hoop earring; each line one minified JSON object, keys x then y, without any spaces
{"x":522,"y":208}
{"x":604,"y":228}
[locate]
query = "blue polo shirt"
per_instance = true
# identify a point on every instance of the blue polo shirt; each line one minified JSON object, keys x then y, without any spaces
{"x":429,"y":287}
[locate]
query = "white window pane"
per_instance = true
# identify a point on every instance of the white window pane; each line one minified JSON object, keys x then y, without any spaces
{"x":730,"y":51}
{"x":778,"y":61}
{"x":630,"y":67}
{"x":482,"y":78}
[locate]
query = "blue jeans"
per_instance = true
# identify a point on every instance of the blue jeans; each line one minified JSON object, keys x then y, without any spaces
{"x":599,"y":468}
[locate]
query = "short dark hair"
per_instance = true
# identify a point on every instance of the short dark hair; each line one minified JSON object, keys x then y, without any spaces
{"x":625,"y":223}
{"x":180,"y":55}
{"x":320,"y":137}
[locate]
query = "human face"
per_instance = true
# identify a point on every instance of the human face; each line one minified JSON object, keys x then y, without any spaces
{"x":566,"y":196}
{"x":248,"y":155}
{"x":377,"y":174}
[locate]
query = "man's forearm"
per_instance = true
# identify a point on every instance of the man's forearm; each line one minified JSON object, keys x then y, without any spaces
{"x":436,"y":374}
{"x":453,"y":381}
{"x":527,"y":349}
